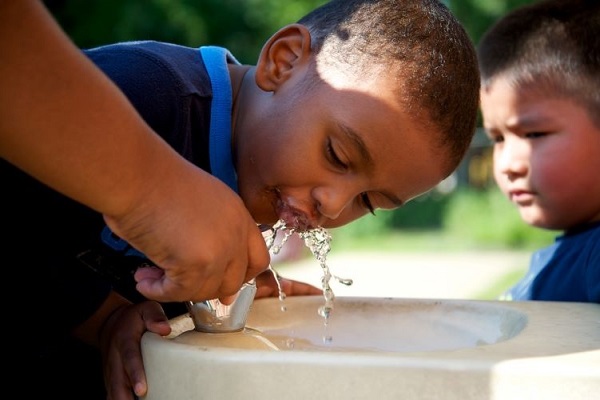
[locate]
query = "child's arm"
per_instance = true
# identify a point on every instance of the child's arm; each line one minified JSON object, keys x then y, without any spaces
{"x":118,"y":325}
{"x":117,"y":328}
{"x":65,"y":123}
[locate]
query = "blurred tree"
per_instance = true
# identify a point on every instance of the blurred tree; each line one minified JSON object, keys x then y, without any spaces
{"x":478,"y":15}
{"x":239,"y":25}
{"x":192,"y":22}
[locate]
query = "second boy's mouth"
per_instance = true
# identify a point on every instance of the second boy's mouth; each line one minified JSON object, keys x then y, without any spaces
{"x":521,"y":197}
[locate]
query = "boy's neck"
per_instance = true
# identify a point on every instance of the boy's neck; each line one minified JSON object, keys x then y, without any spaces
{"x":237,"y":74}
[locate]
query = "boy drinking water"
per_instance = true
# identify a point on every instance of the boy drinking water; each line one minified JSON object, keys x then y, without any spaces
{"x":360,"y":105}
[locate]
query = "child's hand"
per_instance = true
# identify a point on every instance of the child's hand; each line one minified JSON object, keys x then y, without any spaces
{"x":200,"y":234}
{"x":121,"y":350}
{"x":266,"y":286}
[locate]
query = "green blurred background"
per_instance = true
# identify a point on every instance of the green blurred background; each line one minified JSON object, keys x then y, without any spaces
{"x":465,"y":212}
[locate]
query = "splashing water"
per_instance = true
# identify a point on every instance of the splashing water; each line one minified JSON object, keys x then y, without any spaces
{"x":318,"y":241}
{"x":270,"y":235}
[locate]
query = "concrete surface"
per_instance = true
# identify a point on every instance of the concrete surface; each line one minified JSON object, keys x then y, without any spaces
{"x":385,"y":349}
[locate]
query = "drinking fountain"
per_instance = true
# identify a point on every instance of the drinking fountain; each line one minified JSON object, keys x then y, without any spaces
{"x":384,"y":348}
{"x":375,"y":348}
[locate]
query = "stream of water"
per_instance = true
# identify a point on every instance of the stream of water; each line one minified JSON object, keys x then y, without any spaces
{"x":318,"y":241}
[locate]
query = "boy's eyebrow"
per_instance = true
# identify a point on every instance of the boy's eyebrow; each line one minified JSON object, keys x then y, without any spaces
{"x":522,"y":122}
{"x":359,"y":144}
{"x":366,"y":157}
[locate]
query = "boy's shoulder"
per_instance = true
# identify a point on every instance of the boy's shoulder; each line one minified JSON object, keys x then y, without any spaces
{"x":579,"y":248}
{"x":153,"y":65}
{"x":148,"y":49}
{"x":567,"y":270}
{"x":142,"y":45}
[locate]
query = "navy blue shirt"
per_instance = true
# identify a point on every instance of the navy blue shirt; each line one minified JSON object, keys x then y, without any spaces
{"x":169,"y":87}
{"x":568,"y":270}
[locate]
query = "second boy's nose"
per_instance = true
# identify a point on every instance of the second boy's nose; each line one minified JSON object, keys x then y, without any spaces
{"x":511,"y":158}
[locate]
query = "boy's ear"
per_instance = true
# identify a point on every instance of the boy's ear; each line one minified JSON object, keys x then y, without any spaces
{"x":286,"y":49}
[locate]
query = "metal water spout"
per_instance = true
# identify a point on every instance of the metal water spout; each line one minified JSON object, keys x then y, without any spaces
{"x":215,"y":317}
{"x":212,"y":316}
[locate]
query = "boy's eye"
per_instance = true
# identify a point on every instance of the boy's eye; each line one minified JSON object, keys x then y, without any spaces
{"x":364,"y":198}
{"x":496,"y":138}
{"x":333,"y":157}
{"x":535,"y":135}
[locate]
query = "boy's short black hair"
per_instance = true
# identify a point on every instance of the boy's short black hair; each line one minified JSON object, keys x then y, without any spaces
{"x":419,"y":40}
{"x":552,"y":45}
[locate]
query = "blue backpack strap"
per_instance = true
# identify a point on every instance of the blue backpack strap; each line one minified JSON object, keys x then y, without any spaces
{"x":221,"y":160}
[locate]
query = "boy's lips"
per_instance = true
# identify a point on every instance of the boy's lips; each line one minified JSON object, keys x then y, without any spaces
{"x":293,"y":218}
{"x":521,"y":197}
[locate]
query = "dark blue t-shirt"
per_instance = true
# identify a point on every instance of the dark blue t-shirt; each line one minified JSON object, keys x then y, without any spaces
{"x":568,"y":270}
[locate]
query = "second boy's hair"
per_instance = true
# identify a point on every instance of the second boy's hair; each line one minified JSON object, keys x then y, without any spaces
{"x":419,"y":41}
{"x":553,"y":45}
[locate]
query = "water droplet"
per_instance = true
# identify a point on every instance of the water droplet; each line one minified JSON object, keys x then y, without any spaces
{"x":282,"y":296}
{"x":328,"y":294}
{"x":325,"y":311}
{"x":344,"y":281}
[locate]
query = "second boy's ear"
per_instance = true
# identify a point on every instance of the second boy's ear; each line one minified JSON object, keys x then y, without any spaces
{"x":287,"y":49}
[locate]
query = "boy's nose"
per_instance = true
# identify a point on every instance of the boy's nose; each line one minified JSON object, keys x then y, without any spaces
{"x":512,"y":158}
{"x":331,"y":201}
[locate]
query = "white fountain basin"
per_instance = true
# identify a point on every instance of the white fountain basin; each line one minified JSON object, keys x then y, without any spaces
{"x":384,"y":348}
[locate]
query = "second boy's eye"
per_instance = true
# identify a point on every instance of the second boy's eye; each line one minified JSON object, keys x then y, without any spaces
{"x":333,"y":157}
{"x":364,"y":198}
{"x":496,"y":138}
{"x":535,"y":135}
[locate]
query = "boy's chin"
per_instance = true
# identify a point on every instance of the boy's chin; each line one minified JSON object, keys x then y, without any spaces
{"x":535,"y":218}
